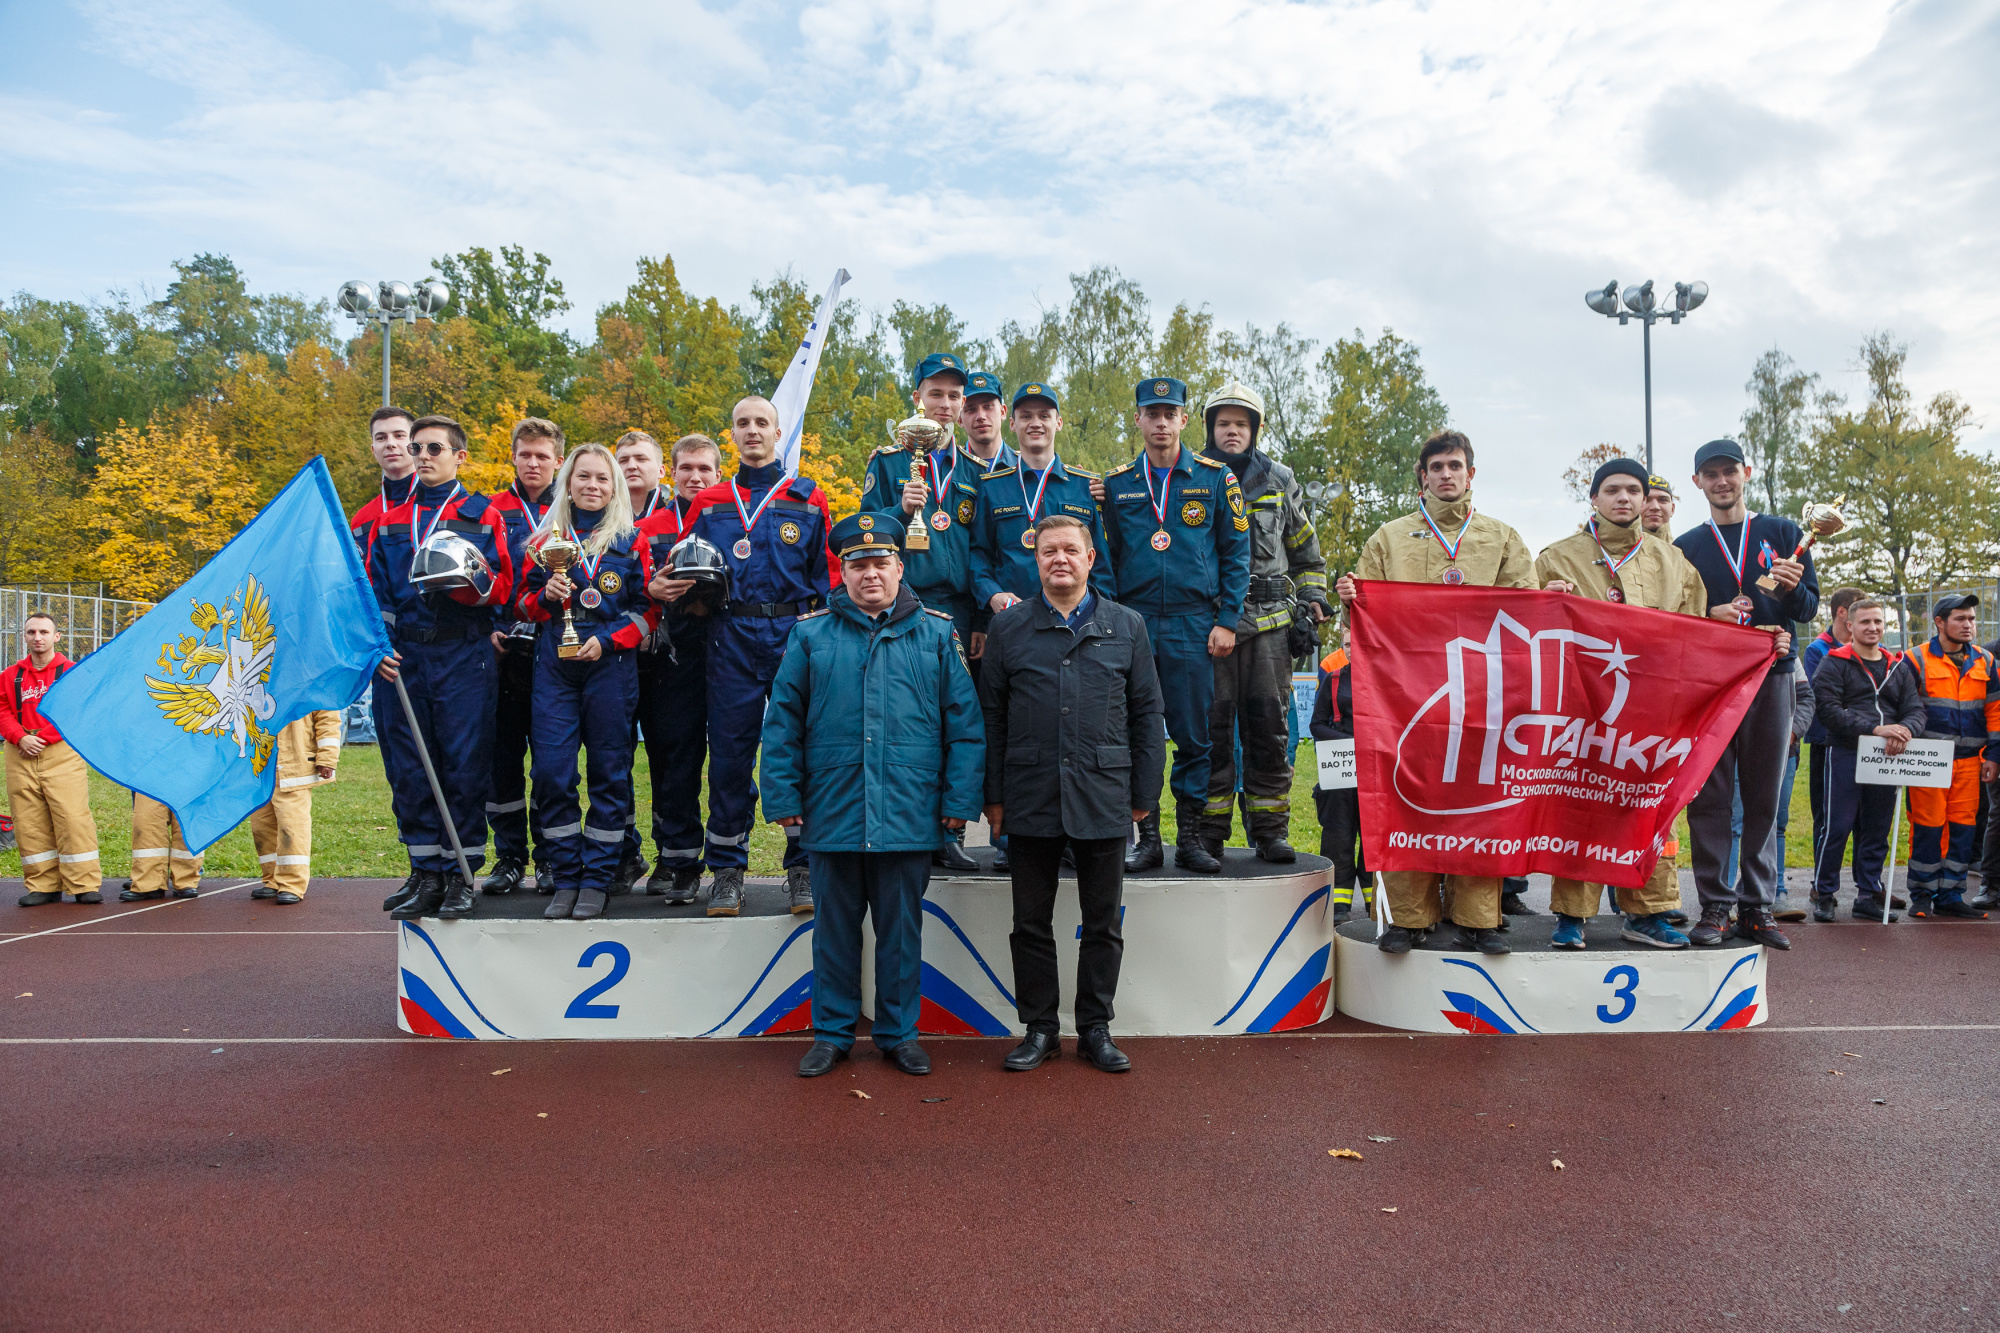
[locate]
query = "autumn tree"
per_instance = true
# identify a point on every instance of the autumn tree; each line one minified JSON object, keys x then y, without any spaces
{"x":511,"y":302}
{"x":1775,"y":428}
{"x":43,"y":513}
{"x":1576,"y":480}
{"x":167,"y":496}
{"x":1922,"y":506}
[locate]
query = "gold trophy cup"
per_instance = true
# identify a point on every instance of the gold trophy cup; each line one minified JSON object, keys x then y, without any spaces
{"x":919,"y":435}
{"x":557,"y":555}
{"x":1819,"y":520}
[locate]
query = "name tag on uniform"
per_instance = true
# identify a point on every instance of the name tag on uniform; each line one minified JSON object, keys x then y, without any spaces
{"x":1001,"y":511}
{"x":1336,"y":765}
{"x":1082,"y":511}
{"x":1193,"y":490}
{"x":1130,"y":495}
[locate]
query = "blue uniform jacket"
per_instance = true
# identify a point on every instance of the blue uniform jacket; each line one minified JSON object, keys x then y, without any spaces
{"x":412,"y":614}
{"x":1205,"y":569}
{"x":1000,"y":563}
{"x":946,"y":568}
{"x":624,"y":614}
{"x":873,"y":732}
{"x":522,"y":515}
{"x":789,"y":561}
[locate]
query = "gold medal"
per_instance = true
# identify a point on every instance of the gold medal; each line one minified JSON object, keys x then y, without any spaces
{"x":1161,"y":541}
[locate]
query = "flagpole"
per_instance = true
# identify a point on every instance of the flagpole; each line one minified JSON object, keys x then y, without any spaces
{"x":424,"y":753}
{"x":1895,"y":831}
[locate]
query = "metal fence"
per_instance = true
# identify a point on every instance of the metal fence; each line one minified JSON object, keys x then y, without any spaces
{"x":85,"y":619}
{"x":1910,"y":613}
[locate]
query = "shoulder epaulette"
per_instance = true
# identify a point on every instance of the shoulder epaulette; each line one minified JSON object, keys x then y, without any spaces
{"x":889,"y":449}
{"x":1206,"y":461}
{"x":1007,"y":471}
{"x":941,"y":615}
{"x":1087,"y":476}
{"x":1117,"y":470}
{"x":813,"y":615}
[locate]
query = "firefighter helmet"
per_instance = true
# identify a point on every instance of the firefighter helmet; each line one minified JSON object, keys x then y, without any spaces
{"x":447,"y":561}
{"x":697,"y":559}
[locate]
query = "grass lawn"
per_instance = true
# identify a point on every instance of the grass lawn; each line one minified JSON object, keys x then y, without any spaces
{"x":354,"y":834}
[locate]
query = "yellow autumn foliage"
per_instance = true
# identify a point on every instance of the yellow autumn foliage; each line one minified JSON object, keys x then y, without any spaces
{"x":843,"y":495}
{"x":167,"y":497}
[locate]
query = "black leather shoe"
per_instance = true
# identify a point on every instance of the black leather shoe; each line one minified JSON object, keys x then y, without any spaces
{"x":404,"y":893}
{"x":1482,"y":938}
{"x":1865,"y":909}
{"x":261,"y":891}
{"x":560,"y":905}
{"x":459,"y":896}
{"x":1001,"y":865}
{"x":1189,"y":854}
{"x":1147,"y":853}
{"x":94,"y":896}
{"x":910,"y":1058}
{"x":686,"y":886}
{"x":630,"y":868}
{"x":425,"y":900}
{"x":1511,"y":905}
{"x":1277,"y":851}
{"x":38,"y":899}
{"x":1823,"y":905}
{"x":1397,"y":939}
{"x":287,"y":898}
{"x":141,"y":896}
{"x":1757,"y":923}
{"x":178,"y":893}
{"x":1094,"y":1045}
{"x":819,"y":1059}
{"x":1036,"y":1047}
{"x":952,"y":857}
{"x":506,"y":878}
{"x":589,"y":903}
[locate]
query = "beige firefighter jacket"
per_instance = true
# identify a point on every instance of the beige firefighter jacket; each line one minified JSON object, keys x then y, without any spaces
{"x":1659,"y":576}
{"x":311,"y":742}
{"x":1491,"y":554}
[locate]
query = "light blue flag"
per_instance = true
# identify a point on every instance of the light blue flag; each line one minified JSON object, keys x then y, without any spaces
{"x":186,"y":704}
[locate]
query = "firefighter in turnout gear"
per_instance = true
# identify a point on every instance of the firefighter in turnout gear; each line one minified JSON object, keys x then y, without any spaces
{"x":282,"y":829}
{"x":1445,"y":541}
{"x":1613,"y":559}
{"x":1253,"y":685}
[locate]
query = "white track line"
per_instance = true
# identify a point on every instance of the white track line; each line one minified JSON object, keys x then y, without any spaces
{"x":97,"y":920}
{"x":575,"y":1041}
{"x":176,"y":934}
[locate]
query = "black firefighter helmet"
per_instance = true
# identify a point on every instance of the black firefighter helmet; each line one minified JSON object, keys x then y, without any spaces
{"x":694,"y":558}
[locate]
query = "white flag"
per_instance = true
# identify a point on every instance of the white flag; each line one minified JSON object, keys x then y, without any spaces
{"x":796,"y":388}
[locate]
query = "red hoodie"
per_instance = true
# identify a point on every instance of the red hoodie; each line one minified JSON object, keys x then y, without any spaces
{"x":21,"y":691}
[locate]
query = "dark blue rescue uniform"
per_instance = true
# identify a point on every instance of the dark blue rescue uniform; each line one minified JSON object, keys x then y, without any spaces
{"x":941,"y":577}
{"x":448,"y":671}
{"x":588,"y":703}
{"x":673,"y":706}
{"x":782,"y":572}
{"x":507,"y":805}
{"x":1002,"y":561}
{"x":1184,"y":586}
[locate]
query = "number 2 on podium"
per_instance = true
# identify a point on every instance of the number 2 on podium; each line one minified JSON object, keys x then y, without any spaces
{"x":621,"y":962}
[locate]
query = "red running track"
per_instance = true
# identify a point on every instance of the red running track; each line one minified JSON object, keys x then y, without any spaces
{"x":320,"y":1169}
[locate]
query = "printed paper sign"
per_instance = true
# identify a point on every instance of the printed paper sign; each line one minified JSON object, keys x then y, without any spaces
{"x":1336,"y":765}
{"x":1921,"y":764}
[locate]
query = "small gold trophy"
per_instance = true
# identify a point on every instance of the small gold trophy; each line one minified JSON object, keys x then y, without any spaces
{"x":1819,"y":520}
{"x":556,"y":555}
{"x":919,"y":435}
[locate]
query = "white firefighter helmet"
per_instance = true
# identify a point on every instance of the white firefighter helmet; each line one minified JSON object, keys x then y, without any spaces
{"x":447,"y":561}
{"x":1235,"y":394}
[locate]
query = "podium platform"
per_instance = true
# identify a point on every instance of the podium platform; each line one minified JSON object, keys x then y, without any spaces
{"x":1249,"y":950}
{"x":1610,"y":986}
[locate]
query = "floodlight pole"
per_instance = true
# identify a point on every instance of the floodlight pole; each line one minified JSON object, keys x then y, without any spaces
{"x":1641,"y":304}
{"x":390,"y":323}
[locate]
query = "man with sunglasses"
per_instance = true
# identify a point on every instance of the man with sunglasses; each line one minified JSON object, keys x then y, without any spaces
{"x":442,"y":654}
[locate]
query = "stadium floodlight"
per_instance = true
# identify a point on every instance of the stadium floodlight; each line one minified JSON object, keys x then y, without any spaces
{"x":1642,"y":304}
{"x":385,"y":302}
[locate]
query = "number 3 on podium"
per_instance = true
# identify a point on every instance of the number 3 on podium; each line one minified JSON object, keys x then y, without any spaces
{"x":1627,"y":977}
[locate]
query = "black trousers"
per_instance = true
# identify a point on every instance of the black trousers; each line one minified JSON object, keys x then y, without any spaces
{"x":1989,"y":852}
{"x":1816,"y":792}
{"x":1100,"y":885}
{"x":507,"y":808}
{"x":1862,"y":813}
{"x":1340,"y":836}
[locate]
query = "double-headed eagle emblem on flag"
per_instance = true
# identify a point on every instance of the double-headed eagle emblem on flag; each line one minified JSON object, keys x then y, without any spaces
{"x":237,"y":642}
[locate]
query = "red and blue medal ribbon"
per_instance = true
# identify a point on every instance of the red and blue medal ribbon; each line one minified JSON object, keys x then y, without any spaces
{"x":1034,"y":507}
{"x":652,"y":503}
{"x":750,"y":517}
{"x":533,"y":510}
{"x":1614,"y":565}
{"x":1166,"y":490}
{"x":417,"y":513}
{"x":938,"y":486}
{"x":1736,"y":561}
{"x":1450,"y":547}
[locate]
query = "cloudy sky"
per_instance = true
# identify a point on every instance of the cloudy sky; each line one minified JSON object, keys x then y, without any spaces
{"x":1458,"y":170}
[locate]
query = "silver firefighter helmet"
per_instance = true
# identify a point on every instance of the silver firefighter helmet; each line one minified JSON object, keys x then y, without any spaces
{"x":447,"y":562}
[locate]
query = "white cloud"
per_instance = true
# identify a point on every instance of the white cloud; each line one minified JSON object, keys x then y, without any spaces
{"x":1459,"y":170}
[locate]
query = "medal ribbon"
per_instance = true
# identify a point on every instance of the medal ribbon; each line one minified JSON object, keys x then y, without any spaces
{"x":1166,"y":491}
{"x":1035,"y":509}
{"x":535,"y":511}
{"x":652,"y":503}
{"x":937,"y":486}
{"x":1613,"y":565}
{"x":1450,"y":547}
{"x":587,"y":563}
{"x":750,"y":518}
{"x":417,"y":513}
{"x":1742,"y":548}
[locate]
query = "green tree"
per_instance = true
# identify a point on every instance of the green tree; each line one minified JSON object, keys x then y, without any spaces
{"x":1104,"y":340}
{"x":1278,"y":364}
{"x":1379,"y":409}
{"x":1775,"y":427}
{"x":511,"y":302}
{"x":1922,"y":507}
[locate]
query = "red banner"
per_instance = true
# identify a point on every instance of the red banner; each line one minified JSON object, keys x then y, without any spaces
{"x":1499,"y":732}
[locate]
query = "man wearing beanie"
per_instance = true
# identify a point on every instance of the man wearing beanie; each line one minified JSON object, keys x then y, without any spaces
{"x":1731,"y":551}
{"x":1613,"y":559}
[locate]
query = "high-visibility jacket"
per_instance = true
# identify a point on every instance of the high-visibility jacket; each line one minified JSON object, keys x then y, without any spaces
{"x":1961,"y":704}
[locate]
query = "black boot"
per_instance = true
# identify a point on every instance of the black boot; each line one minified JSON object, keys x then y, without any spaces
{"x":1276,"y":850}
{"x":1190,"y":848}
{"x":406,"y":891}
{"x":425,"y":898}
{"x":1146,"y":854}
{"x":459,"y":895}
{"x":951,"y":856}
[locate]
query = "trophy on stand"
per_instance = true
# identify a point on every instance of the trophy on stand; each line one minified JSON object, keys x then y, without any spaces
{"x":557,"y":555}
{"x":919,"y":435}
{"x":1819,"y":520}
